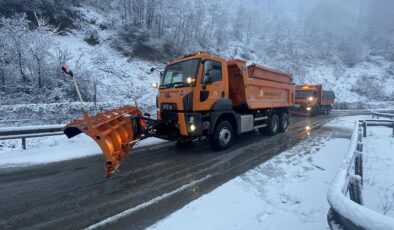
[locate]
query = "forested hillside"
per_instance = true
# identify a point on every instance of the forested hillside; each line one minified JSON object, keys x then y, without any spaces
{"x":111,"y":44}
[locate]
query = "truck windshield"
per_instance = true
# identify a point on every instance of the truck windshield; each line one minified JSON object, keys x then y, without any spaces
{"x":303,"y":94}
{"x":176,"y":75}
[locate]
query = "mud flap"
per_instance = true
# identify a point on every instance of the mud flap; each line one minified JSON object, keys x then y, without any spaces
{"x":115,"y":131}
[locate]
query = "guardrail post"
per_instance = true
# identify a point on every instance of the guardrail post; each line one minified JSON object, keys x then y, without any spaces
{"x":355,"y":188}
{"x":365,"y":129}
{"x":23,"y":143}
{"x":393,"y":128}
{"x":358,"y":165}
{"x":359,"y":146}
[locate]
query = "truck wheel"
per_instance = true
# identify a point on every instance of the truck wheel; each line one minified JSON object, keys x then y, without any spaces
{"x":315,"y":111}
{"x":223,"y":136}
{"x":284,"y":122}
{"x":273,"y":125}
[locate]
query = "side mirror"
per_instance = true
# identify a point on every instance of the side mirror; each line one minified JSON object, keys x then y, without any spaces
{"x":153,"y":69}
{"x":67,"y":71}
{"x":208,"y":79}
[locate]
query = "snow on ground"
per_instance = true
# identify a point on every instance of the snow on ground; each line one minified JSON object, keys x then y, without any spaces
{"x":119,"y":78}
{"x":53,"y":149}
{"x":291,"y":186}
{"x":287,"y":192}
{"x":378,"y":164}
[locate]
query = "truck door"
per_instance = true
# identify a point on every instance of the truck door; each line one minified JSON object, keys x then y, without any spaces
{"x":211,"y":85}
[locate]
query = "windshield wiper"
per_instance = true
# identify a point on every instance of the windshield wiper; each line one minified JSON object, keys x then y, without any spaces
{"x":165,"y":86}
{"x":175,"y":85}
{"x":180,"y":84}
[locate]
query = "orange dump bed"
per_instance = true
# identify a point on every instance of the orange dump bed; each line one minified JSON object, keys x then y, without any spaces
{"x":263,"y":73}
{"x":259,"y":87}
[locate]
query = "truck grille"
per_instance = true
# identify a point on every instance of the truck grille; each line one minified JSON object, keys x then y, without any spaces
{"x":168,"y":107}
{"x":169,"y":116}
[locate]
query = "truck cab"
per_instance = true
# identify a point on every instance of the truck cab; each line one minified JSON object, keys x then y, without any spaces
{"x":189,"y":88}
{"x":306,"y":98}
{"x":313,"y":100}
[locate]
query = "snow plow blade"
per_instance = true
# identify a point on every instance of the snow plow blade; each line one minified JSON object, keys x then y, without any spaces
{"x":115,"y":131}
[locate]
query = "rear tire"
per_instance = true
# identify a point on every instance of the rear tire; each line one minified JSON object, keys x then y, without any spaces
{"x":273,"y":125}
{"x":284,"y":122}
{"x":223,"y":136}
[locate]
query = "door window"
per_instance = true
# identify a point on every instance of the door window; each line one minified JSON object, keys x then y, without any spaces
{"x":212,"y":72}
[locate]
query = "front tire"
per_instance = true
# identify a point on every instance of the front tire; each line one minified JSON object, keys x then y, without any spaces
{"x":284,"y":122}
{"x":223,"y":136}
{"x":329,"y":110}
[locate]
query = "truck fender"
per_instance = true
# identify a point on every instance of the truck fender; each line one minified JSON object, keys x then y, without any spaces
{"x":215,"y":117}
{"x":222,"y":105}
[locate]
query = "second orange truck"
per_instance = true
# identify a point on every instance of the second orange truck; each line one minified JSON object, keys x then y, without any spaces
{"x":313,"y":100}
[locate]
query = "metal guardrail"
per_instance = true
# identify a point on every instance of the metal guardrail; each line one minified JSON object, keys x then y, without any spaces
{"x":30,"y":132}
{"x":381,"y":114}
{"x":345,"y":193}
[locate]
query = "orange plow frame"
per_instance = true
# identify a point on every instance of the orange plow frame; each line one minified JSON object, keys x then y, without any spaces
{"x":114,"y":131}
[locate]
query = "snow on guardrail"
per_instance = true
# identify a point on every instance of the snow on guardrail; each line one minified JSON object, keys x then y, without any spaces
{"x":382,"y":114}
{"x":25,"y":132}
{"x":344,"y":210}
{"x":30,"y":129}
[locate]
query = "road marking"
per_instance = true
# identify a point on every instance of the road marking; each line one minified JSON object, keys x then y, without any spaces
{"x":127,"y":212}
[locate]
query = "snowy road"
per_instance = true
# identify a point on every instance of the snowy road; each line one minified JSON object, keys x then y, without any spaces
{"x":291,"y":186}
{"x":74,"y":195}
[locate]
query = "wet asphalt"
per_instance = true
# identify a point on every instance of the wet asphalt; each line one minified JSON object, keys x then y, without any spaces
{"x":74,"y":194}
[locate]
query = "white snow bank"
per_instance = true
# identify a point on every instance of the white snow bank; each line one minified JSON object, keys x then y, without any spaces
{"x":364,"y":217}
{"x":287,"y":192}
{"x":51,"y":149}
{"x":54,"y":149}
{"x":378,"y":170}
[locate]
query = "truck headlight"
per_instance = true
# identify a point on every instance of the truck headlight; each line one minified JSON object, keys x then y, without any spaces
{"x":190,"y":80}
{"x":308,"y":108}
{"x":310,"y":98}
{"x":193,"y":127}
{"x":155,"y":85}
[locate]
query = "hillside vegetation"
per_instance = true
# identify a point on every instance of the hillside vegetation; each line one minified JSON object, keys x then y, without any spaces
{"x":111,"y":44}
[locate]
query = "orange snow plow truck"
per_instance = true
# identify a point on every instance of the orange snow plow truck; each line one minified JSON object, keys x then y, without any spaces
{"x":200,"y":95}
{"x":312,"y":100}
